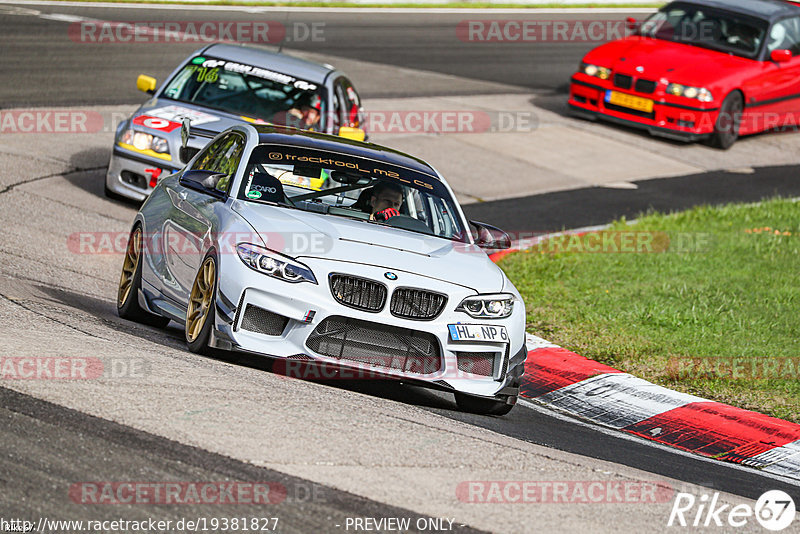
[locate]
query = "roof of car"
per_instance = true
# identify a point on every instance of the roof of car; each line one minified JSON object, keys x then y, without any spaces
{"x":269,"y":134}
{"x":762,"y":9}
{"x":261,"y":57}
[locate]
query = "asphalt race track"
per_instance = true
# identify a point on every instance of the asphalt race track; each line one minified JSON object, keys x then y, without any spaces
{"x":41,"y":55}
{"x":340,"y":449}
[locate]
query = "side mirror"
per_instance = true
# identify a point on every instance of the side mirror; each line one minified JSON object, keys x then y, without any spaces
{"x":184,"y":152}
{"x":356,"y":134}
{"x":203,"y":181}
{"x":781,"y":56}
{"x":490,"y":237}
{"x":631,"y":23}
{"x":186,"y":127}
{"x":146,"y":84}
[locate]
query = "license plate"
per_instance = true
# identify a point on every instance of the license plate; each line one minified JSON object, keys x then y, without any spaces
{"x":477,"y":332}
{"x":629,"y":101}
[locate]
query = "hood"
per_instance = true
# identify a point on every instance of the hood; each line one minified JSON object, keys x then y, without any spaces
{"x":677,"y":62}
{"x":301,"y":234}
{"x":172,"y":113}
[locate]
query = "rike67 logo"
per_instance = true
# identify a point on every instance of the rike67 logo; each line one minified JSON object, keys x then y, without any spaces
{"x":775,"y":510}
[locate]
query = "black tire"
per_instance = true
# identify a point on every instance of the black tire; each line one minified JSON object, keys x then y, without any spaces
{"x":128,"y":296}
{"x":729,"y":120}
{"x":481,"y":406}
{"x":198,"y":343}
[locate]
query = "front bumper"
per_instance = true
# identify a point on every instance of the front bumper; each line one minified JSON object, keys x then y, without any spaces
{"x":242,"y":289}
{"x":668,"y":119}
{"x":132,"y":175}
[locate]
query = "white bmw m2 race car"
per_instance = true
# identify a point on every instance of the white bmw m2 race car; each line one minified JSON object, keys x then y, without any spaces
{"x":310,"y":248}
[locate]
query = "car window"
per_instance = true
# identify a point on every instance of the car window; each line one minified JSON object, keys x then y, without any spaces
{"x":349,"y":186}
{"x":349,"y":108}
{"x":254,"y":93}
{"x":707,"y":27}
{"x":785,"y":35}
{"x":223,"y":157}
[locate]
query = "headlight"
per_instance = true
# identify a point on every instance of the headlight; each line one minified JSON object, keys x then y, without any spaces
{"x":144,"y":141}
{"x":274,"y":264}
{"x":497,"y":306}
{"x":700,"y":93}
{"x":593,"y":70}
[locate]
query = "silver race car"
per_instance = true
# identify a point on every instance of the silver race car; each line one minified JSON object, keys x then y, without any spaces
{"x":216,"y":87}
{"x":315,"y":250}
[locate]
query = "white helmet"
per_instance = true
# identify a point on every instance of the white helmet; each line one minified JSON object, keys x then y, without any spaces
{"x":776,"y":36}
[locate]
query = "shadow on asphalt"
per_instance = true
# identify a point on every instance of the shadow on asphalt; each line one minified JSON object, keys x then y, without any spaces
{"x":96,"y":159}
{"x":557,"y":103}
{"x":172,"y":337}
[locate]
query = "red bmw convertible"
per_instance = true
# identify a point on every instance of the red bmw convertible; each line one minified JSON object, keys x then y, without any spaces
{"x":699,"y":69}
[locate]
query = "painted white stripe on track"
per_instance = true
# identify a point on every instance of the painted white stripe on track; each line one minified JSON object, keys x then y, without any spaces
{"x":617,"y":399}
{"x":62,"y":18}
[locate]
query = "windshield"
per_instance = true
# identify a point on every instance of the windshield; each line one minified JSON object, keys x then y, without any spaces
{"x":254,"y":93}
{"x":710,"y":28}
{"x":356,"y":188}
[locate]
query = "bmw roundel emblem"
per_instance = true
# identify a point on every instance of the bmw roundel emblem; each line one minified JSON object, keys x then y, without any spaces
{"x":640,"y":69}
{"x":390,"y":276}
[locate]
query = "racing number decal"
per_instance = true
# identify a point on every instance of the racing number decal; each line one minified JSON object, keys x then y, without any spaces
{"x":205,"y":74}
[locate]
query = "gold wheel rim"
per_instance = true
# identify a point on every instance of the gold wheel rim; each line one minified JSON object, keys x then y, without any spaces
{"x":132,"y":256}
{"x":200,"y":300}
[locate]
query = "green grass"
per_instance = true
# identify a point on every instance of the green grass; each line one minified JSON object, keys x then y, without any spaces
{"x":696,"y":320}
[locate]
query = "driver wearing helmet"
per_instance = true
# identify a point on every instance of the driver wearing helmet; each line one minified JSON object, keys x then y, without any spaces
{"x":382,"y":201}
{"x":305,"y":113}
{"x":777,"y":36}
